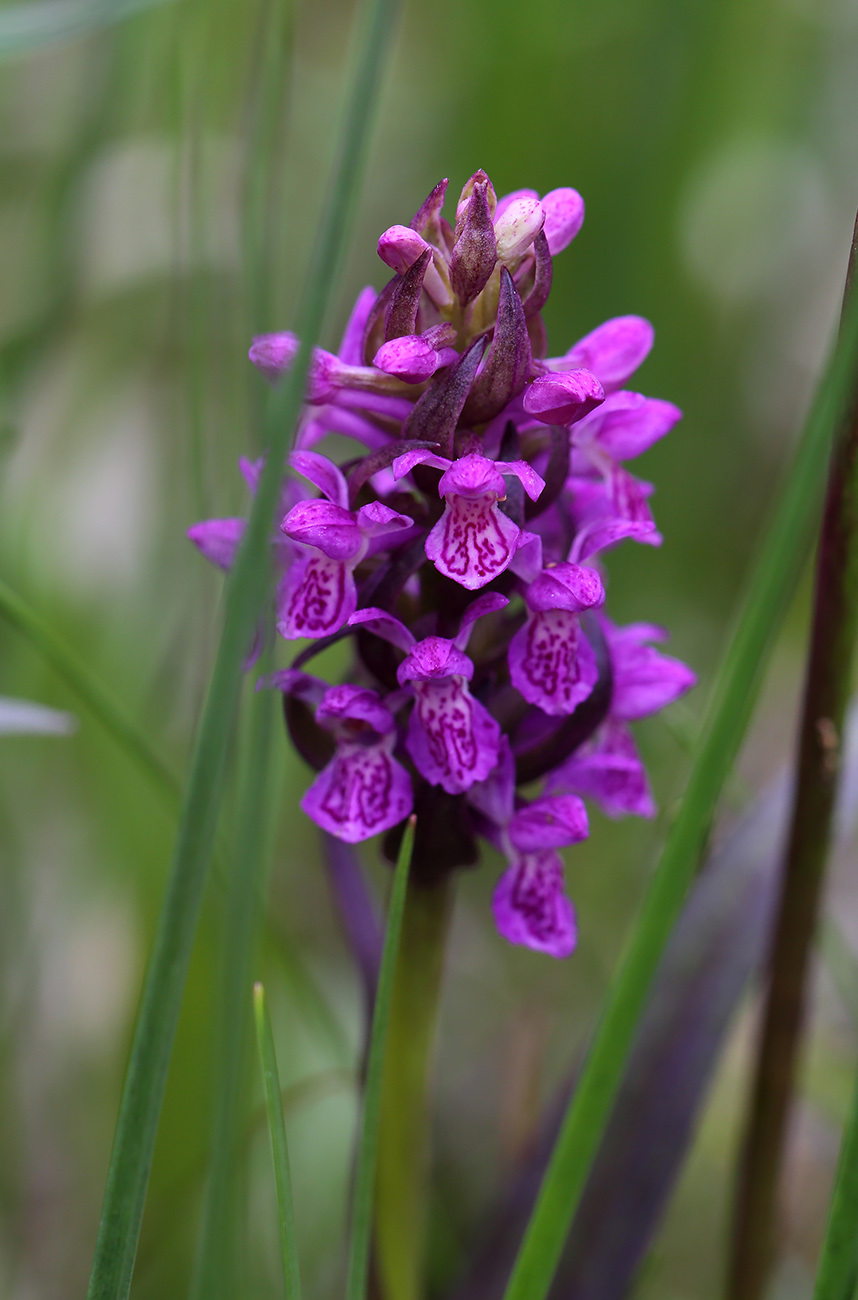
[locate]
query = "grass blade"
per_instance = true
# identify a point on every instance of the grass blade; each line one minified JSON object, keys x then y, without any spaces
{"x":367,"y":1160}
{"x":89,"y":691}
{"x":279,"y":1148}
{"x":837,"y":1272}
{"x":247,"y":591}
{"x":771,"y":587}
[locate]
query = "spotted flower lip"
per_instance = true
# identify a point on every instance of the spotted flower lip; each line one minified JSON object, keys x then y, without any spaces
{"x":452,"y":737}
{"x":319,"y":593}
{"x":363,"y":790}
{"x":551,"y":662}
{"x":473,"y":541}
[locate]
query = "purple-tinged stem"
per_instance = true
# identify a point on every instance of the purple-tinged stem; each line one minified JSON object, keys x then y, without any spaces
{"x":827,"y":685}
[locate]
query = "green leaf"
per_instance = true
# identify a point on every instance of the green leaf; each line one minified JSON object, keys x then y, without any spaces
{"x":279,"y":1147}
{"x":247,"y":594}
{"x":837,"y":1272}
{"x":773,"y":582}
{"x":367,"y":1160}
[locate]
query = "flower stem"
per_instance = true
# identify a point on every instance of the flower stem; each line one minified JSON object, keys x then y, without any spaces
{"x":403,"y":1155}
{"x":826,"y":692}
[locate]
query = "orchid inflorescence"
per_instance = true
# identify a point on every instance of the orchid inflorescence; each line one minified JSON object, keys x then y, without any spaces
{"x":486,"y":467}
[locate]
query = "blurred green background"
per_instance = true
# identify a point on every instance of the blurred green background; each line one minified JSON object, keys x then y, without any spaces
{"x":715,"y":144}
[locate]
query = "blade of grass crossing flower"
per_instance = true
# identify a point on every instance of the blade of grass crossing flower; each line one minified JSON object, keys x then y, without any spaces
{"x":772,"y":584}
{"x":837,"y":1272}
{"x":367,"y":1159}
{"x":220,"y":1229}
{"x":279,"y":1147}
{"x":247,"y":590}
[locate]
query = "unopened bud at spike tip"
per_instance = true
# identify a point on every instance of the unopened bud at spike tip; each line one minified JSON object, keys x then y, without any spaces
{"x":517,"y":227}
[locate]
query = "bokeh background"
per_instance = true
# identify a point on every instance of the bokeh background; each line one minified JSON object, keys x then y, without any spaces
{"x":716,"y":146}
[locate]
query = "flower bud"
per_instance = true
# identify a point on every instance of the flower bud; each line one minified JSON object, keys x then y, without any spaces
{"x":475,"y":250}
{"x":479,"y":178}
{"x":563,"y":398}
{"x":517,"y":227}
{"x":564,"y":217}
{"x":399,"y":248}
{"x":412,"y":358}
{"x":273,"y":354}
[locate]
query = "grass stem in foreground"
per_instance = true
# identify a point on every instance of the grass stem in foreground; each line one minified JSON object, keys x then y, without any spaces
{"x":279,"y":1147}
{"x":826,"y":695}
{"x":773,"y":582}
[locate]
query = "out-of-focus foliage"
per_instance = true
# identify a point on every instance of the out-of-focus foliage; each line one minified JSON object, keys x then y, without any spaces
{"x":715,"y":146}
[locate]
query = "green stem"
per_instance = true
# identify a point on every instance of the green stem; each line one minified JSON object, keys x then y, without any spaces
{"x":279,"y":1145}
{"x":837,"y":1273}
{"x":826,"y":696}
{"x":403,"y":1154}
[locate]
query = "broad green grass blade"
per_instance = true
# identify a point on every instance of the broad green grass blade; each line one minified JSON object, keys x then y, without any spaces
{"x":837,"y":1272}
{"x":86,"y":687}
{"x":279,"y":1148}
{"x":33,"y":26}
{"x":773,"y":582}
{"x":247,"y":592}
{"x":251,"y":845}
{"x":367,"y":1159}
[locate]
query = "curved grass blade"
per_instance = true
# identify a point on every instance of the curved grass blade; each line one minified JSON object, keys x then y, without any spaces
{"x":769,"y":591}
{"x":98,"y":701}
{"x":28,"y":27}
{"x":247,"y":591}
{"x":279,"y":1147}
{"x":367,"y":1160}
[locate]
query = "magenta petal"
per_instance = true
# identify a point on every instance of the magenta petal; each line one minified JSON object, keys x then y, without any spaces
{"x":564,"y":217}
{"x":644,"y":679}
{"x":533,"y":483}
{"x":495,"y":796}
{"x":317,"y":598}
{"x":376,"y":519}
{"x":551,"y":663}
{"x":405,"y":463}
{"x":609,"y":771}
{"x":528,"y":561}
{"x":627,"y":424}
{"x":507,"y":199}
{"x":472,"y":542}
{"x":361,"y":792}
{"x":531,"y":908}
{"x":410,"y":358}
{"x":614,"y":350}
{"x":452,"y":738}
{"x":291,"y":681}
{"x":323,"y":474}
{"x":218,"y":539}
{"x":474,"y":476}
{"x":563,"y":397}
{"x":273,"y":354}
{"x":566,"y":586}
{"x":349,"y":704}
{"x":351,"y":346}
{"x":550,"y":822}
{"x":489,"y":603}
{"x":326,"y":526}
{"x":384,"y":625}
{"x":432,"y":659}
{"x":517,"y":226}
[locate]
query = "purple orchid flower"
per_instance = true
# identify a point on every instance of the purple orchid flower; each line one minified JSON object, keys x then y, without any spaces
{"x":452,"y":738}
{"x":319,"y":594}
{"x":608,"y":768}
{"x":363,"y":790}
{"x":550,"y":659}
{"x":530,"y":904}
{"x":473,"y":541}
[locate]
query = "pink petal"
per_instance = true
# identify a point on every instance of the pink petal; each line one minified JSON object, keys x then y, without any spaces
{"x":326,"y":526}
{"x":273,"y":354}
{"x":564,"y":217}
{"x":495,"y":796}
{"x":627,"y":424}
{"x":218,"y":539}
{"x":317,"y":598}
{"x":611,"y":772}
{"x":517,"y":227}
{"x":549,"y":823}
{"x":489,"y":603}
{"x":384,"y":625}
{"x":472,"y":542}
{"x":566,"y":586}
{"x":361,"y":792}
{"x":564,"y":397}
{"x":452,"y":739}
{"x":613,"y":351}
{"x":507,"y":199}
{"x":531,"y":908}
{"x":351,"y":346}
{"x":350,"y":704}
{"x":551,"y":663}
{"x":323,"y":474}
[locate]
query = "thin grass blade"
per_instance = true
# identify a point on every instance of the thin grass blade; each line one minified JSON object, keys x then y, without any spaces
{"x":837,"y":1273}
{"x":367,"y":1160}
{"x":88,"y":690}
{"x":773,"y":582}
{"x":247,"y":592}
{"x":279,"y":1146}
